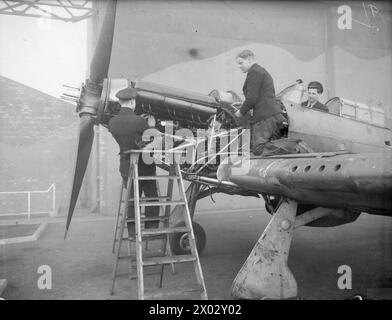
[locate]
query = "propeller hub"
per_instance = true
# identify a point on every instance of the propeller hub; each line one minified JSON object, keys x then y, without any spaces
{"x":89,"y":98}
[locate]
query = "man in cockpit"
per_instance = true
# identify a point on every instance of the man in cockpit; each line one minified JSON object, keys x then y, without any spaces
{"x":315,"y":89}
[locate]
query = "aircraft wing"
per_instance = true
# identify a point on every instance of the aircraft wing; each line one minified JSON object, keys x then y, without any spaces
{"x":357,"y":182}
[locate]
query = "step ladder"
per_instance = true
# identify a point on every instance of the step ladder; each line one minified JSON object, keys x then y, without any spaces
{"x":121,"y":210}
{"x":143,"y":259}
{"x":119,"y":220}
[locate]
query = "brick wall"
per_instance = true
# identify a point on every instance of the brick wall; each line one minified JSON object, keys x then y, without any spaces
{"x":37,"y":146}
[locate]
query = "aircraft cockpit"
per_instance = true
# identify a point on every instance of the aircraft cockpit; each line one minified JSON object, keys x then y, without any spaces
{"x":296,"y":94}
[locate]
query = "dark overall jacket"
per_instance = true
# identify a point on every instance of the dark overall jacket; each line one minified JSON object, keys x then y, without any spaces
{"x":259,"y":94}
{"x":127,"y":129}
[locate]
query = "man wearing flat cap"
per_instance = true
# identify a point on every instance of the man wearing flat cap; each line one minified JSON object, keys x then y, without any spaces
{"x":315,"y":89}
{"x":127,"y":129}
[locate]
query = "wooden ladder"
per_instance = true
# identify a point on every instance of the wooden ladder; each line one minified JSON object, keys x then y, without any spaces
{"x":142,"y":259}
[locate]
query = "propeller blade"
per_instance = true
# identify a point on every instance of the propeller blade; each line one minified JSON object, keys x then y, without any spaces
{"x":100,"y":62}
{"x":99,"y":68}
{"x":86,"y":137}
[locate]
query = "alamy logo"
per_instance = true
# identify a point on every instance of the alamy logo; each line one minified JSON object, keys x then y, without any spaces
{"x":345,"y":280}
{"x":45,"y":280}
{"x":370,"y":17}
{"x":345,"y":20}
{"x":201,"y":149}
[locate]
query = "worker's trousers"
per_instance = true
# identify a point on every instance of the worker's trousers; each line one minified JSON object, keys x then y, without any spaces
{"x":264,"y":131}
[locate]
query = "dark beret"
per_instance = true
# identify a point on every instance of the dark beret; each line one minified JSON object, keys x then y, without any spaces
{"x":316,"y":85}
{"x":127,"y":94}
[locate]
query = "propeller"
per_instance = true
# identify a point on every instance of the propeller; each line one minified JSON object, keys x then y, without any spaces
{"x":99,"y":65}
{"x":89,"y":102}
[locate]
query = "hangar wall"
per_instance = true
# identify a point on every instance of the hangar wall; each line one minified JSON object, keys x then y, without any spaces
{"x":38,"y":131}
{"x":192,"y":45}
{"x":37,"y":145}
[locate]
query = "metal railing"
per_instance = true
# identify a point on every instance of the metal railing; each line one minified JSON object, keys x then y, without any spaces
{"x":52,"y":189}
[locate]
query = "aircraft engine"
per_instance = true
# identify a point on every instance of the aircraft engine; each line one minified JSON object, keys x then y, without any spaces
{"x":187,"y":108}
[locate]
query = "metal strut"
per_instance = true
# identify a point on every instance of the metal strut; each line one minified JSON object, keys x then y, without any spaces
{"x":265,"y":274}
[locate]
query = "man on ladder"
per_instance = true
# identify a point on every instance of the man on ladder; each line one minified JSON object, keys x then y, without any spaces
{"x":127,"y":129}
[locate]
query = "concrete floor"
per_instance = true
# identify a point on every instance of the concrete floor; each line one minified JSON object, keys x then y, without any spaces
{"x":82,"y":265}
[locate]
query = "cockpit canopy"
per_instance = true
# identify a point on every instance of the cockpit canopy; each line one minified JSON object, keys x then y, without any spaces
{"x":357,"y":111}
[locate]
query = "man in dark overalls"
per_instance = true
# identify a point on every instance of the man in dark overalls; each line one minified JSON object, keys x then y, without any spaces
{"x":267,"y":120}
{"x":127,"y":129}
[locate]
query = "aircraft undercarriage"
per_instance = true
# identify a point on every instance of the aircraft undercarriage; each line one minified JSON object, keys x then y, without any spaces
{"x":265,"y":274}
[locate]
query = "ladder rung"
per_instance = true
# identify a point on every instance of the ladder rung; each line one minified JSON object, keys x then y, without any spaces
{"x":181,"y":292}
{"x":148,"y":237}
{"x":149,"y":198}
{"x":168,"y":260}
{"x":157,"y":177}
{"x":158,"y":204}
{"x":133,"y":275}
{"x":148,"y":254}
{"x":148,"y":219}
{"x":157,"y":231}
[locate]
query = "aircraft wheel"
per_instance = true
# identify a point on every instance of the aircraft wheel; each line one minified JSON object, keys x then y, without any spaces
{"x":271,"y":206}
{"x":179,"y":242}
